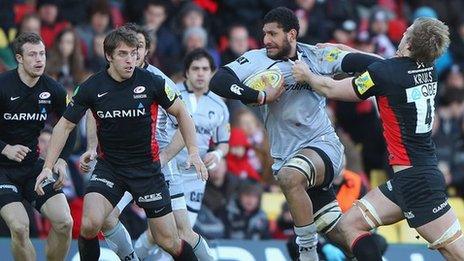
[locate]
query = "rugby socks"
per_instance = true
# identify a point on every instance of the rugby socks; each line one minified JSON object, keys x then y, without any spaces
{"x":365,"y":248}
{"x":186,"y":253}
{"x":202,"y":250}
{"x":119,"y":240}
{"x":307,"y":242}
{"x":143,"y":246}
{"x":89,"y":249}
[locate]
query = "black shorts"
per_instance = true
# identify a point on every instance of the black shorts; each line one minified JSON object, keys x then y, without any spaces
{"x":149,"y":192}
{"x":17,"y":183}
{"x":323,"y":194}
{"x":420,"y":192}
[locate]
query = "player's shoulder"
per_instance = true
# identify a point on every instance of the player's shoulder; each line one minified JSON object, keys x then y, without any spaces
{"x":216,"y":99}
{"x":51,"y":84}
{"x":181,"y":88}
{"x":155,"y":70}
{"x":93,"y":83}
{"x":255,"y":56}
{"x":307,"y":48}
{"x":8,"y":78}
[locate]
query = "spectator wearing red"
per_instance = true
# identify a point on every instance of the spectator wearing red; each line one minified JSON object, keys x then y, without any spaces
{"x":237,"y":159}
{"x":51,"y":26}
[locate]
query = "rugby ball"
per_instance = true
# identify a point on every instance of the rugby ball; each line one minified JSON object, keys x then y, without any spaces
{"x":256,"y":82}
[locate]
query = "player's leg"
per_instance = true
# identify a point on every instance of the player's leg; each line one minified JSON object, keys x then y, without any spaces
{"x":152,"y":195}
{"x":56,"y":209}
{"x":353,"y":230}
{"x":15,"y":217}
{"x":304,"y":170}
{"x":116,"y":235}
{"x":103,"y":193}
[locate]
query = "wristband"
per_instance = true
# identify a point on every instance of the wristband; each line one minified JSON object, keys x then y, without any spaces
{"x":218,"y":153}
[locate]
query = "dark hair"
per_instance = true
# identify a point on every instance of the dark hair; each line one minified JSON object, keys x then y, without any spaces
{"x":284,"y":17}
{"x":116,"y":36}
{"x":161,"y":3}
{"x":197,"y":54}
{"x":24,"y":38}
{"x":139,"y":30}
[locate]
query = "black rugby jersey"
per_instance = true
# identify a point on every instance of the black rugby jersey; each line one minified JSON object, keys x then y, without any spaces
{"x":405,"y":92}
{"x":24,"y":111}
{"x":125,"y":113}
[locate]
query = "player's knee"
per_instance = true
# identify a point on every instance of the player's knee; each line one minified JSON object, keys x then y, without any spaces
{"x":186,"y":233}
{"x":290,"y":180}
{"x":110,"y":222}
{"x":169,"y":244}
{"x":19,"y":231}
{"x":90,"y":226}
{"x":64,"y":225}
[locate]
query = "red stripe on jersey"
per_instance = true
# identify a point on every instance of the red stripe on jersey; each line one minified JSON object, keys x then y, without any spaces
{"x":392,"y":133}
{"x":100,"y":152}
{"x":154,"y":142}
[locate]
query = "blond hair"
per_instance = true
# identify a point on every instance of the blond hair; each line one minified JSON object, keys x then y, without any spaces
{"x":428,"y":39}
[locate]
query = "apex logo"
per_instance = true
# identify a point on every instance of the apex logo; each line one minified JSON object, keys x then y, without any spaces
{"x":151,"y":197}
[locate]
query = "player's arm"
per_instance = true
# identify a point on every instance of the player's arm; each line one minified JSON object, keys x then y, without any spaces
{"x":92,"y":143}
{"x":76,"y":109}
{"x":173,"y":148}
{"x":59,"y":108}
{"x":221,"y":138}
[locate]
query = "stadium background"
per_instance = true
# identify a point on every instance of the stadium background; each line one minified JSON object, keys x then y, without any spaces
{"x":241,"y":190}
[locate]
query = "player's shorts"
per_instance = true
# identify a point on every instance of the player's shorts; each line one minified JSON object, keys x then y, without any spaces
{"x":194,"y":189}
{"x":150,"y":192}
{"x":17,"y":183}
{"x":175,"y":186}
{"x":331,"y":152}
{"x":420,"y":192}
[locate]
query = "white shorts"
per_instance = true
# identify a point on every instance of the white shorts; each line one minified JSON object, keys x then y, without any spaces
{"x":194,"y":189}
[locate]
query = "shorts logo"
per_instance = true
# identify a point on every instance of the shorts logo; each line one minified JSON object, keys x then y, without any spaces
{"x":364,"y":82}
{"x":236,"y":89}
{"x":389,"y":186}
{"x":44,"y":95}
{"x":442,"y":206}
{"x":409,"y":215}
{"x":9,"y":187}
{"x":169,"y":92}
{"x":151,"y":197}
{"x":107,"y":182}
{"x":139,"y":89}
{"x":159,"y":210}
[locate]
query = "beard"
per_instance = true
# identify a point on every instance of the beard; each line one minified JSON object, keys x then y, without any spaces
{"x":283,"y":53}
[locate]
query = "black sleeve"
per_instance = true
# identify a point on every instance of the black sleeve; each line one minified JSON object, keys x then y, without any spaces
{"x":225,"y":84}
{"x":60,"y":103}
{"x":164,"y":94}
{"x":79,"y":104}
{"x":370,"y":82}
{"x":357,"y":62}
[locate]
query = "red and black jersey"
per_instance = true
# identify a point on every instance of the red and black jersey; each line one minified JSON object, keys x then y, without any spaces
{"x":125,"y":113}
{"x":405,"y":92}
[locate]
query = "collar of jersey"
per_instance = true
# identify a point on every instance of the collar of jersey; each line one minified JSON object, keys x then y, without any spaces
{"x":189,"y":91}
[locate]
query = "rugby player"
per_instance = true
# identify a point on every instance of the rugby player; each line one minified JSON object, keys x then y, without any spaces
{"x":211,"y":118}
{"x":306,"y":150}
{"x":404,"y":87}
{"x":124,"y":100}
{"x":28,"y":98}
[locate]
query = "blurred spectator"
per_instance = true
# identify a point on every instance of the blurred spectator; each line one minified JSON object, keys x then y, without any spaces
{"x":7,"y":34}
{"x":243,"y":218}
{"x":197,"y":37}
{"x":457,"y":43}
{"x":30,"y":23}
{"x":363,"y":42}
{"x":238,"y":42}
{"x":51,"y":26}
{"x":66,"y":62}
{"x":284,"y":229}
{"x":345,"y":33}
{"x":237,"y":159}
{"x":221,"y":186}
{"x":259,"y":153}
{"x":448,"y":134}
{"x":378,"y":25}
{"x":98,"y":61}
{"x":99,"y":22}
{"x":168,"y":48}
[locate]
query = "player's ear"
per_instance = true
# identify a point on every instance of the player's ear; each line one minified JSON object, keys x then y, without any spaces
{"x":108,"y":57}
{"x":19,"y":58}
{"x":292,"y":34}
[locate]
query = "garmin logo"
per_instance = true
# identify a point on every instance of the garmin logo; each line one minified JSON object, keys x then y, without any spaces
{"x":25,"y":116}
{"x":121,"y":113}
{"x":442,"y":205}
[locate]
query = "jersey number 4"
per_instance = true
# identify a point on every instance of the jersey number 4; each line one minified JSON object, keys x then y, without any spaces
{"x":424,"y":115}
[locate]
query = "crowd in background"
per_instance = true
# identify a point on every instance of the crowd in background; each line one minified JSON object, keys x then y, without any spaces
{"x":73,"y":32}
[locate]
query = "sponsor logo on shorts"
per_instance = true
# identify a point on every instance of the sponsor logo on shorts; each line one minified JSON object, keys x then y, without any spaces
{"x":9,"y":187}
{"x":442,"y":206}
{"x":107,"y":182}
{"x":159,"y":210}
{"x":389,"y":185}
{"x":196,"y":196}
{"x":151,"y":197}
{"x":409,"y":215}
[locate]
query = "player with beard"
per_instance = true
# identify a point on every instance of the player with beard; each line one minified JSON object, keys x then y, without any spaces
{"x":28,"y":98}
{"x":306,"y":150}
